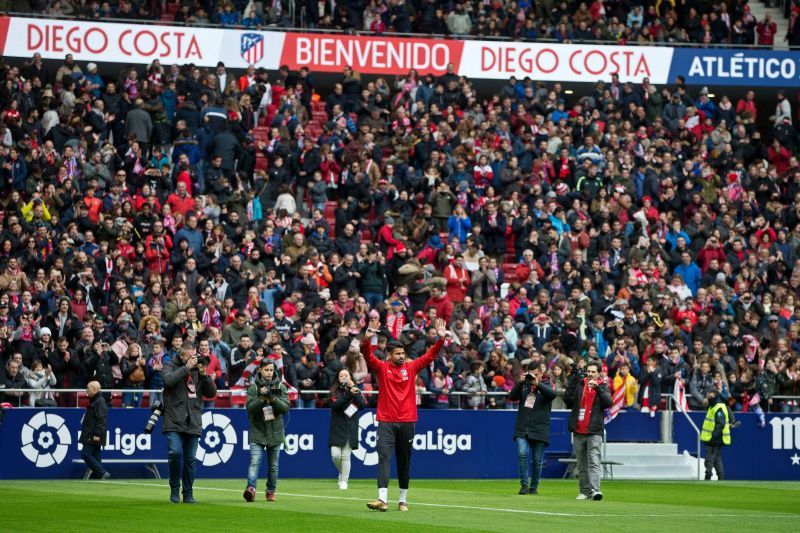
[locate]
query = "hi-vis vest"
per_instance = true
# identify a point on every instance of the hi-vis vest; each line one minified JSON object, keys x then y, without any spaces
{"x":710,"y":422}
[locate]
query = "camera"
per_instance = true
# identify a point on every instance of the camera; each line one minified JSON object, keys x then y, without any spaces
{"x":577,"y":372}
{"x":271,"y":389}
{"x":528,"y":378}
{"x":156,"y":410}
{"x":203,"y":360}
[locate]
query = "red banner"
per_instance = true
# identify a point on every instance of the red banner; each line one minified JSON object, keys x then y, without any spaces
{"x":370,"y":55}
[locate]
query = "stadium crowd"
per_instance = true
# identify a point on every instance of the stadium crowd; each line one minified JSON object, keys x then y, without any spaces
{"x":621,"y":21}
{"x":253,"y":215}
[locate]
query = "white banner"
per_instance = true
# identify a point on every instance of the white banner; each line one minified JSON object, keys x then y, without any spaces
{"x":565,"y":62}
{"x":141,"y":44}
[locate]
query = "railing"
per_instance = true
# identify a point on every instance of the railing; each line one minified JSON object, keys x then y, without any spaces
{"x":300,"y":27}
{"x":670,"y":399}
{"x":23,"y":399}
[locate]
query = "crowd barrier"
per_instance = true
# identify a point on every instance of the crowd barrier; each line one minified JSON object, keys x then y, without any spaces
{"x":43,"y":444}
{"x":386,"y":55}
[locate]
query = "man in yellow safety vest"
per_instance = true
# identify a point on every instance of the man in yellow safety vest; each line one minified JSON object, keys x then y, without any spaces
{"x":716,"y":433}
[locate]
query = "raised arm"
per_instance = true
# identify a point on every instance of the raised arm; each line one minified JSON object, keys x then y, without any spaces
{"x":373,"y":363}
{"x":433,"y":351}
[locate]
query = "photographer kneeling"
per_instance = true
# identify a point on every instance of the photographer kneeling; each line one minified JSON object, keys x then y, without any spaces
{"x":532,"y":430}
{"x":346,"y":400}
{"x":267,"y":402}
{"x":185,"y":385}
{"x":587,"y":396}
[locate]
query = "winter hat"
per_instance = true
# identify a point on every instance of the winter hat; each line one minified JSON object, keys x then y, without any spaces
{"x":45,"y":331}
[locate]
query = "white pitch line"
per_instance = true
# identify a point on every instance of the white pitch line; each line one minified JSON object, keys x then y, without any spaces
{"x":471,"y":507}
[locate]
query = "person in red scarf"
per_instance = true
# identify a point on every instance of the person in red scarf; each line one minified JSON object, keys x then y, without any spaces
{"x":457,"y":279}
{"x":588,"y":396}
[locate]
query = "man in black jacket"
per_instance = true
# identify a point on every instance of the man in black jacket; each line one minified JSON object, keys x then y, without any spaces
{"x":587,"y":396}
{"x":185,"y":386}
{"x":93,"y":430}
{"x":532,"y":430}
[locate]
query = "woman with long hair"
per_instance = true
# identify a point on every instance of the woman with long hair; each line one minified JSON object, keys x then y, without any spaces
{"x":346,"y":400}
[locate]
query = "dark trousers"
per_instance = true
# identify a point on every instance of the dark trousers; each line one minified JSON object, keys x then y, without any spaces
{"x":714,"y":460}
{"x":91,"y":456}
{"x":181,"y":457}
{"x":394,"y":438}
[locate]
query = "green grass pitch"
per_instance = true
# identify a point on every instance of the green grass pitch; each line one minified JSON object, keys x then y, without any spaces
{"x":435,"y":505}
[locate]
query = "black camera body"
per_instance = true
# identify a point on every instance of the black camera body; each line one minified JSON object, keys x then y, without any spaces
{"x":577,"y":372}
{"x":272,"y":388}
{"x":203,"y":360}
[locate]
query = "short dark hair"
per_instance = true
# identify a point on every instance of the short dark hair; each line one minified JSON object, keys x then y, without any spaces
{"x":394,"y":345}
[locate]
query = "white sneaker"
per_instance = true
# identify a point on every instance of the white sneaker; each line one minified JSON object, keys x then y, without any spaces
{"x":581,"y":496}
{"x":343,"y":485}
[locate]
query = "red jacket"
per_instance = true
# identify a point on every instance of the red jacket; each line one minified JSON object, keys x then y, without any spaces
{"x":707,"y":254}
{"x":180,"y":205}
{"x":443,"y":306}
{"x":457,"y":282}
{"x":385,"y":236}
{"x":397,"y":399}
{"x":157,"y":256}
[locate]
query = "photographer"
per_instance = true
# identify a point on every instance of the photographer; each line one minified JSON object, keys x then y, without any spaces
{"x":185,"y":384}
{"x":267,"y":402}
{"x":532,"y":429}
{"x":587,"y":396}
{"x":346,"y":400}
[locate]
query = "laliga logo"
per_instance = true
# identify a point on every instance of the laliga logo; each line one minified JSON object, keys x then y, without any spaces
{"x":45,"y":439}
{"x":367,"y":439}
{"x":429,"y":441}
{"x":213,"y":450}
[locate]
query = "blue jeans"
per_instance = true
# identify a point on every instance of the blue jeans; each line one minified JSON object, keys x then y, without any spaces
{"x":527,"y":449}
{"x":256,"y":455}
{"x":182,"y":449}
{"x":91,"y":456}
{"x":373,"y":299}
{"x":311,"y":403}
{"x":132,"y":399}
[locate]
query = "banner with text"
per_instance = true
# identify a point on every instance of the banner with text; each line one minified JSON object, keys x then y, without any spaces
{"x":139,"y":44}
{"x":43,"y":443}
{"x":386,"y":55}
{"x":752,"y":68}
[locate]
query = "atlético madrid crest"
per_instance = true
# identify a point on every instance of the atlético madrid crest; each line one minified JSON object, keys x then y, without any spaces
{"x":252,"y":46}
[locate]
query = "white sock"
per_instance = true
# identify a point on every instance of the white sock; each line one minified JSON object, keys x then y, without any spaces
{"x":383,"y":494}
{"x":403,"y":493}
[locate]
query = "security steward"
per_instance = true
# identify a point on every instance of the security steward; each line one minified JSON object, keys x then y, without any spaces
{"x":716,"y":433}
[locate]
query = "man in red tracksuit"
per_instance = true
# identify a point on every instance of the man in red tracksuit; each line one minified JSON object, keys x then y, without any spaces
{"x":397,"y":408}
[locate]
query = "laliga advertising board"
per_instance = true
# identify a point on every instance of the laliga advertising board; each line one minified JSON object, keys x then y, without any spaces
{"x":42,"y":443}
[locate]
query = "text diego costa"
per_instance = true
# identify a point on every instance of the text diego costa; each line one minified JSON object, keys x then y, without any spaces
{"x":56,"y":38}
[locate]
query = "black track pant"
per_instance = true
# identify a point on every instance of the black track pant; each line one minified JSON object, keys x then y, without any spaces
{"x":398,"y":438}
